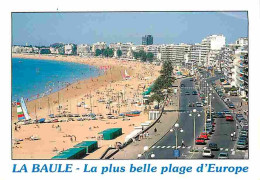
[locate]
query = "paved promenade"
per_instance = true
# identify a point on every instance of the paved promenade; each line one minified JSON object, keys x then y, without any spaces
{"x":167,"y":120}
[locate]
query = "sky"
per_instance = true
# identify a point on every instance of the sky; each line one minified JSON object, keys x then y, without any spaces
{"x":88,"y":28}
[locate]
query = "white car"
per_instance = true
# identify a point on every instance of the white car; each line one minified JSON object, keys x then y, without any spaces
{"x":207,"y":153}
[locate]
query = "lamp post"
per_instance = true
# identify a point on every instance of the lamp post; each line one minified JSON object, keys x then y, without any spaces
{"x":146,"y":156}
{"x":194,"y":124}
{"x":210,"y":95}
{"x":176,"y":129}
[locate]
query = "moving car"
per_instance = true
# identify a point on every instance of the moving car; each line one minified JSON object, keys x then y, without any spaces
{"x":231,"y":105}
{"x":220,"y":115}
{"x":223,"y":155}
{"x":187,"y":93}
{"x":207,"y":153}
{"x":200,"y":141}
{"x":213,"y":146}
{"x":198,"y":104}
{"x":229,"y":118}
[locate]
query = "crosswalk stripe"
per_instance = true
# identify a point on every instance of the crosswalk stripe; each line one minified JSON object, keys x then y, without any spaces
{"x":232,"y":149}
{"x":163,"y":146}
{"x":226,"y":149}
{"x":233,"y":152}
{"x":189,"y":147}
{"x":205,"y":148}
{"x":153,"y":146}
{"x":169,"y":146}
{"x":179,"y":147}
{"x":158,"y":146}
{"x":173,"y":146}
{"x":220,"y":149}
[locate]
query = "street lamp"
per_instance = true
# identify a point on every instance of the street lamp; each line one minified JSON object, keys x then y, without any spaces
{"x":210,"y":95}
{"x":194,"y":123}
{"x":176,"y":129}
{"x":146,"y":156}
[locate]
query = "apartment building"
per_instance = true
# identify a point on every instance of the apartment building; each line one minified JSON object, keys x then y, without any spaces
{"x":84,"y":50}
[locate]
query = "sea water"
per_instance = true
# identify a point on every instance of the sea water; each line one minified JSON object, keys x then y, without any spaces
{"x":33,"y":78}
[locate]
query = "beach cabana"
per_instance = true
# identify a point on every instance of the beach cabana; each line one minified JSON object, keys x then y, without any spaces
{"x":111,"y":133}
{"x":90,"y":146}
{"x":72,"y":153}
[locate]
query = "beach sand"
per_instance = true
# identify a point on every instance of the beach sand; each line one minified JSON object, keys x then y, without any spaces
{"x":111,"y":85}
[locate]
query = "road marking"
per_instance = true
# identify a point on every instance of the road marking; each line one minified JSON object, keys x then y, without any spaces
{"x":163,"y":146}
{"x":158,"y":147}
{"x":173,"y":146}
{"x":205,"y":148}
{"x":243,"y":151}
{"x":220,"y":149}
{"x":178,"y":147}
{"x":189,"y":147}
{"x":233,"y":152}
{"x":153,"y":146}
{"x":226,"y":149}
{"x":169,"y":146}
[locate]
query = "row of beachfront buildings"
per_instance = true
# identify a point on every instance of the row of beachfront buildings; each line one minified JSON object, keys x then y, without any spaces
{"x":212,"y":51}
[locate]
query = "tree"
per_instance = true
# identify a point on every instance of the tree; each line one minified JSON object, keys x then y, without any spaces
{"x":119,"y":53}
{"x":150,"y":56}
{"x":142,"y":55}
{"x":110,"y":52}
{"x":156,"y":97}
{"x":105,"y":52}
{"x":136,"y":55}
{"x":98,"y":52}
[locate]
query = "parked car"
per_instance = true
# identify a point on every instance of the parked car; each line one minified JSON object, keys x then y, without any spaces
{"x":223,"y":155}
{"x":182,"y":85}
{"x":200,"y":141}
{"x":204,"y":135}
{"x":194,"y":93}
{"x":242,"y":145}
{"x":213,"y":146}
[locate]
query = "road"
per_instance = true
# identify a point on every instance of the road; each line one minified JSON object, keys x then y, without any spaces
{"x":163,"y":149}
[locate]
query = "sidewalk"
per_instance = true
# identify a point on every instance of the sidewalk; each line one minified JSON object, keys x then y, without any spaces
{"x":167,"y":120}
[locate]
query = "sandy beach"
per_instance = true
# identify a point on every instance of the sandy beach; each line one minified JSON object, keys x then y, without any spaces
{"x":125,"y":95}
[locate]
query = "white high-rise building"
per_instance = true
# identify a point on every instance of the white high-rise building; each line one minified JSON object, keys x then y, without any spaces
{"x":243,"y":41}
{"x":214,"y":42}
{"x":199,"y":54}
{"x":177,"y":53}
{"x":84,"y":50}
{"x":98,"y":45}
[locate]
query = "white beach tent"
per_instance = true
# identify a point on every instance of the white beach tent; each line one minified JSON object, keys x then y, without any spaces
{"x":132,"y":134}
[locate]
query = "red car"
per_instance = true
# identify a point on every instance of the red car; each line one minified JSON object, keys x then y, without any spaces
{"x":200,"y":140}
{"x":204,"y":135}
{"x":229,"y":118}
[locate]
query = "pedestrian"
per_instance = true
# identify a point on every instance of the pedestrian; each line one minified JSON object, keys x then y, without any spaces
{"x":232,"y":136}
{"x":147,"y":134}
{"x":241,"y":103}
{"x":182,"y":143}
{"x":237,"y":126}
{"x":155,"y":130}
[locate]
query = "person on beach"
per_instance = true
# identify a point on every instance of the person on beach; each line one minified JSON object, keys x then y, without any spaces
{"x":155,"y":130}
{"x":234,"y":134}
{"x":231,"y":136}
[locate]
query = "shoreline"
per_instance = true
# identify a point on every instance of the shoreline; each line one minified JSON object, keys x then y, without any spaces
{"x":43,"y":94}
{"x":108,"y":86}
